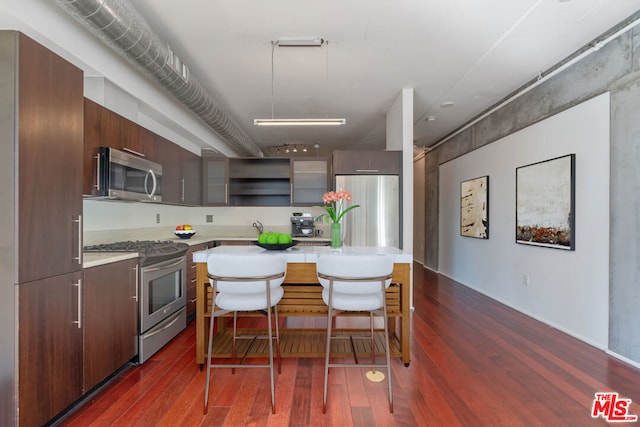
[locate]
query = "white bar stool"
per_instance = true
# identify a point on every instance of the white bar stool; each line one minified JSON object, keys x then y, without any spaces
{"x":245,"y":283}
{"x":355,"y":283}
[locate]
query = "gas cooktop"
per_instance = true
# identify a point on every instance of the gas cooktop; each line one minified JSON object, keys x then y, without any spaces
{"x":150,"y":251}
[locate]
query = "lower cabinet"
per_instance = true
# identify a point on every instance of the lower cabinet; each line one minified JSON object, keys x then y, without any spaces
{"x":50,"y":347}
{"x":74,"y":332}
{"x":110,"y":319}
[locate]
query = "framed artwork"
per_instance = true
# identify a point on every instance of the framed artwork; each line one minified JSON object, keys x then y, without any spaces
{"x":545,"y":203}
{"x":474,"y":208}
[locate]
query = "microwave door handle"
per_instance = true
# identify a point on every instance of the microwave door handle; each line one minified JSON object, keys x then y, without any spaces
{"x":155,"y":183}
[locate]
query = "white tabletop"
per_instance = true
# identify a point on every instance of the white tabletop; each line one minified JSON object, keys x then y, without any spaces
{"x":306,"y":253}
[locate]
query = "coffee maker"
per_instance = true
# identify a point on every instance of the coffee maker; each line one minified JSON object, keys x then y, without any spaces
{"x":302,"y":225}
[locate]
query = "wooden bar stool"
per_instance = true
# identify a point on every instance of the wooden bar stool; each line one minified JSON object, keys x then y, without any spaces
{"x":245,"y":283}
{"x":356,"y":283}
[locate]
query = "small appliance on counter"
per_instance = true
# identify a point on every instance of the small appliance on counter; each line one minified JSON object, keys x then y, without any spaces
{"x":302,"y":225}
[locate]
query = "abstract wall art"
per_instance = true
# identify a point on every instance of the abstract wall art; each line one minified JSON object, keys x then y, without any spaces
{"x":545,"y":203}
{"x":474,"y":208}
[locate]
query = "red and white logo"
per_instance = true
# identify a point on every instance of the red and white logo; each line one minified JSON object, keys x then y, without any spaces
{"x":612,"y":408}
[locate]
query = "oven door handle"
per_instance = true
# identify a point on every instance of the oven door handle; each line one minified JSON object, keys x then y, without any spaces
{"x":167,"y":326}
{"x":162,"y":265}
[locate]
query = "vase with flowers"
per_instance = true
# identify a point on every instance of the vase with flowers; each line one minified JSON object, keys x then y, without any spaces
{"x":335,"y":206}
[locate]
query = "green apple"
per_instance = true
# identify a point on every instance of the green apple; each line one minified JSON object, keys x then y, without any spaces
{"x":262,"y":238}
{"x":284,"y":238}
{"x":272,"y":239}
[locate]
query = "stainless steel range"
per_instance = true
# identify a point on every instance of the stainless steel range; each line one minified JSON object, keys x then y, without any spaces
{"x":161,"y":290}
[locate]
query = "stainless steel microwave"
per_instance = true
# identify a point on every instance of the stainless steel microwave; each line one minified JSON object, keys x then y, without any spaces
{"x":126,"y":176}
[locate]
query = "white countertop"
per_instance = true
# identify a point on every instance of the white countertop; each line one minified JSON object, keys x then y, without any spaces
{"x":94,"y":259}
{"x":306,"y":253}
{"x":196,"y":239}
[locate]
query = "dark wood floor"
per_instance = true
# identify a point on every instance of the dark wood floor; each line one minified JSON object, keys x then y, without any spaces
{"x":475,"y":362}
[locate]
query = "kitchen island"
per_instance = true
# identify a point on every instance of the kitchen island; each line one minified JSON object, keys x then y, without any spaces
{"x":303,"y":297}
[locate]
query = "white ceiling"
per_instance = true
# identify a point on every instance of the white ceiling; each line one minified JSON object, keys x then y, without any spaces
{"x":469,"y":52}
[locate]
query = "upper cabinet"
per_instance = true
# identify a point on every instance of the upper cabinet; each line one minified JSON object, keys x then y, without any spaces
{"x":181,"y":173}
{"x":367,"y":162}
{"x":311,"y":178}
{"x":181,"y":169}
{"x":265,"y":181}
{"x":104,"y":128}
{"x":259,"y":182}
{"x":215,"y":183}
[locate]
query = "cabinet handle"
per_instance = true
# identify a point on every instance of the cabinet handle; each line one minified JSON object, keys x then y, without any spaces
{"x":79,"y":222}
{"x":78,"y":287}
{"x":193,"y":300}
{"x":135,"y":296}
{"x":367,"y":170}
{"x":226,"y":192}
{"x":133,"y":152}
{"x":182,"y":197}
{"x":97,"y":172}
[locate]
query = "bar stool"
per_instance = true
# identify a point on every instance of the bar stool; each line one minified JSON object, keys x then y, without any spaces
{"x":355,"y":283}
{"x":245,"y":283}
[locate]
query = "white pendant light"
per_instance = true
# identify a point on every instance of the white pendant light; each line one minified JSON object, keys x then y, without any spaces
{"x":299,"y":122}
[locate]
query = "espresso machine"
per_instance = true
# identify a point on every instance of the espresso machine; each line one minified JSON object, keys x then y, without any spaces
{"x":302,"y":225}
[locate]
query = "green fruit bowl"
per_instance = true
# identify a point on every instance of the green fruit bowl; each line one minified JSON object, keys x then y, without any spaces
{"x":275,"y":246}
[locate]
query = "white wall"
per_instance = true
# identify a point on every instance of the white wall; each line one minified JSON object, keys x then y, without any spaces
{"x":567,"y":289}
{"x":399,"y":132}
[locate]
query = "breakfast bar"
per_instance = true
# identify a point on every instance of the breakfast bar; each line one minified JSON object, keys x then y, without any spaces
{"x":303,"y":297}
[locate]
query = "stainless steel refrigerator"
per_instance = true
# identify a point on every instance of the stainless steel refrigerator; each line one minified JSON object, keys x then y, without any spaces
{"x":377,"y":221}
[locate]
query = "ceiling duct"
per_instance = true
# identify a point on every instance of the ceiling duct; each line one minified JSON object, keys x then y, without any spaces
{"x":122,"y":28}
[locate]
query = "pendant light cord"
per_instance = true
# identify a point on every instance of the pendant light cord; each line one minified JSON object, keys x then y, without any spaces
{"x":273,"y":48}
{"x":326,"y":42}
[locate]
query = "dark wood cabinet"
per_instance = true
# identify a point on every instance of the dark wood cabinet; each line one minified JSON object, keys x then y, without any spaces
{"x":49,"y":143}
{"x":191,"y":178}
{"x":50,"y":347}
{"x":346,"y":162}
{"x":42,"y":100}
{"x":105,"y":128}
{"x":110,"y":320}
{"x":311,"y":179}
{"x":181,"y":173}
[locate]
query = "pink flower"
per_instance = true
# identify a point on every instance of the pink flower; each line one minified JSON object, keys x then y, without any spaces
{"x":335,"y":200}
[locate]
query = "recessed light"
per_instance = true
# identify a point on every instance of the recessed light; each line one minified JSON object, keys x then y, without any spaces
{"x":430,"y":118}
{"x":447,"y":104}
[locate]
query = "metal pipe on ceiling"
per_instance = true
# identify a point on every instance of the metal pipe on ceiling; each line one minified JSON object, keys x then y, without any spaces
{"x":125,"y":31}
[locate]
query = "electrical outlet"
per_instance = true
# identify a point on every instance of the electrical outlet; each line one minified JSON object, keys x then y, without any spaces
{"x":209,"y":218}
{"x":157,"y":218}
{"x":525,"y":280}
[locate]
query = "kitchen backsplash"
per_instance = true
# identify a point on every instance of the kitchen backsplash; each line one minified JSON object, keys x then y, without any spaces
{"x":156,"y":221}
